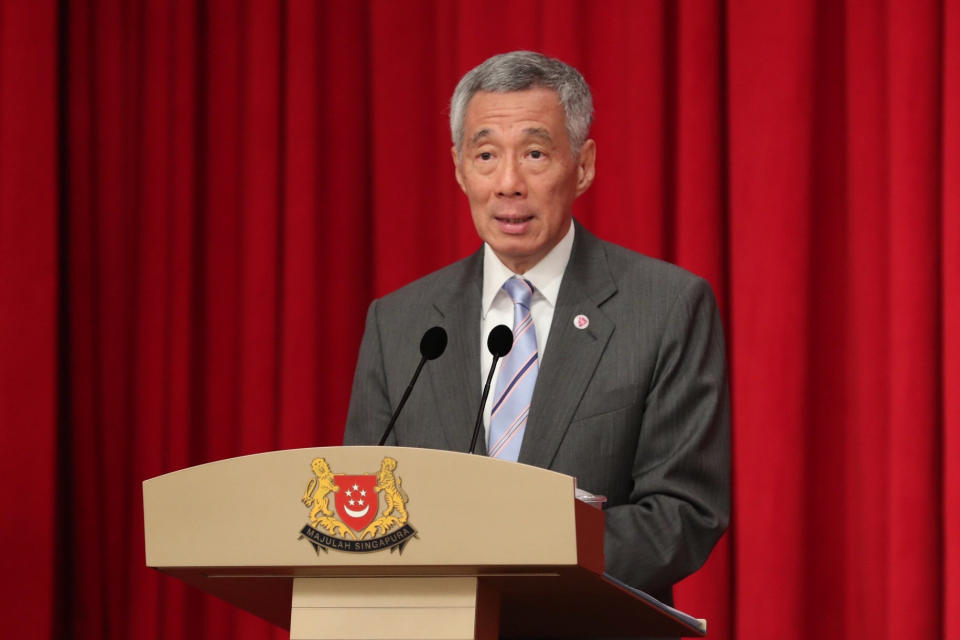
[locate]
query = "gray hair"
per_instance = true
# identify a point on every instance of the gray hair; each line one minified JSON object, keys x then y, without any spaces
{"x":521,"y":70}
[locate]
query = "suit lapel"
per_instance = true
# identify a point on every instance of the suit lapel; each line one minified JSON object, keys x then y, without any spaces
{"x":455,"y":376}
{"x":571,"y":354}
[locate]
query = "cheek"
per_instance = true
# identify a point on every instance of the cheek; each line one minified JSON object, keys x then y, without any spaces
{"x":562,"y":193}
{"x":477,"y":191}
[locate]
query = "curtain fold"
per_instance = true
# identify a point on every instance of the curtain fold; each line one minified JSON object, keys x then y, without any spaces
{"x":950,"y":310}
{"x":199,"y":200}
{"x":32,"y":479}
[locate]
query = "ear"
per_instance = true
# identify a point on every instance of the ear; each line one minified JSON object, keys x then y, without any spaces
{"x":586,"y":166}
{"x":457,"y":171}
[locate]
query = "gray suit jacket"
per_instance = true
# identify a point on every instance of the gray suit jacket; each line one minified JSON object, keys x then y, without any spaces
{"x":635,"y":405}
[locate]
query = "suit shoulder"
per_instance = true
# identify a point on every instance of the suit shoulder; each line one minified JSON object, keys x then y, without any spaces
{"x":433,"y":286}
{"x":636,"y":272}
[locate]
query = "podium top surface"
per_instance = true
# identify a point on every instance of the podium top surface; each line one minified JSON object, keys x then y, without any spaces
{"x":373,"y":507}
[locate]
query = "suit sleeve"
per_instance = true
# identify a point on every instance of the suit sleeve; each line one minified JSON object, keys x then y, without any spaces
{"x":370,"y":409}
{"x":680,"y":501}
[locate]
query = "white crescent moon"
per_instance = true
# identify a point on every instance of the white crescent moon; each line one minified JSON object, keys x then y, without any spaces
{"x":356,"y":514}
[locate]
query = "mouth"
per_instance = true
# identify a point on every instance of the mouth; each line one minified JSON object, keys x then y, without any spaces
{"x":513,"y":224}
{"x":513,"y":219}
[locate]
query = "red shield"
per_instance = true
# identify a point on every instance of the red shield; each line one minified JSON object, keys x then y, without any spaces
{"x":356,"y":501}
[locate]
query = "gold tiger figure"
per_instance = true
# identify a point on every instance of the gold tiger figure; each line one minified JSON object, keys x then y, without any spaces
{"x":316,"y":494}
{"x":395,"y":498}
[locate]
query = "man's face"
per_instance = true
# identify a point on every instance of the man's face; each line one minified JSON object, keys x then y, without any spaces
{"x":519,"y":174}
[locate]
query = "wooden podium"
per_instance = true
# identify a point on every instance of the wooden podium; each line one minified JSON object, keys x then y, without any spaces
{"x":393,"y":542}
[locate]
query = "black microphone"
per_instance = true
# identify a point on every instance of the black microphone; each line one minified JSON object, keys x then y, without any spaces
{"x":432,"y":345}
{"x":499,"y":343}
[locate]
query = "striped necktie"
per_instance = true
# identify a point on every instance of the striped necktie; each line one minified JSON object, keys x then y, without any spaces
{"x":518,"y":375}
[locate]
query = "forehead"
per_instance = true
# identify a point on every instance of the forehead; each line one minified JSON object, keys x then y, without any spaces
{"x":514,"y":111}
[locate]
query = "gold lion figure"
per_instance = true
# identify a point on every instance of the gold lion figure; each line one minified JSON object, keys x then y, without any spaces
{"x":395,"y":497}
{"x":316,"y":494}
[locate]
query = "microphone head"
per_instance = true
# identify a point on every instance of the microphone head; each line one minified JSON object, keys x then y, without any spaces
{"x":433,"y":343}
{"x":500,"y":340}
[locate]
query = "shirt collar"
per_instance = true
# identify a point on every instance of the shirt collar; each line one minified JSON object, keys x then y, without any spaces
{"x":545,"y":276}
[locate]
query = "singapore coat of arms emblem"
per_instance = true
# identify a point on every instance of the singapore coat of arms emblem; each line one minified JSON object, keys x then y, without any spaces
{"x":368,"y":511}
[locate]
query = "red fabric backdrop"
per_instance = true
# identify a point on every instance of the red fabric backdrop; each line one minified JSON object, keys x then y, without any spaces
{"x":198,"y":201}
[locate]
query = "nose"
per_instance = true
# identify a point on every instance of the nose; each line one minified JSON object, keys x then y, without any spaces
{"x":510,"y":181}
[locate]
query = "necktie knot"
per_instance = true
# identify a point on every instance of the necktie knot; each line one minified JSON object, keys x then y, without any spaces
{"x":519,"y":290}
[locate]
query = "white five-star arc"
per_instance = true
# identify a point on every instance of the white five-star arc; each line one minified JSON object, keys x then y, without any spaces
{"x":359,"y":501}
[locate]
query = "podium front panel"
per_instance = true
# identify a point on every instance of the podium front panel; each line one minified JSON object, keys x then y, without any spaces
{"x":372,"y":507}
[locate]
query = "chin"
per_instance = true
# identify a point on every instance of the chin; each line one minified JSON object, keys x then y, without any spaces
{"x":514,"y":253}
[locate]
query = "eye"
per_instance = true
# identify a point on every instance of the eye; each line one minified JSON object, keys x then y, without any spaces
{"x":536,"y":154}
{"x":485,"y":155}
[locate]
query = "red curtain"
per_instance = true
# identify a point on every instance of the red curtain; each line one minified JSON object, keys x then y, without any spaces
{"x":199,"y":199}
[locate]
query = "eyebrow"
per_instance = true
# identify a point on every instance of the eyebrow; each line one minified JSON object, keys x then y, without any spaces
{"x":483,"y":133}
{"x":536,"y":132}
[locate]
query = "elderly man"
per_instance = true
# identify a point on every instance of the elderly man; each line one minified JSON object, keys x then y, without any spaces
{"x":617,"y":373}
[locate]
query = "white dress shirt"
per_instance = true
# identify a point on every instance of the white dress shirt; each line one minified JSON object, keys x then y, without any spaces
{"x":496,"y":307}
